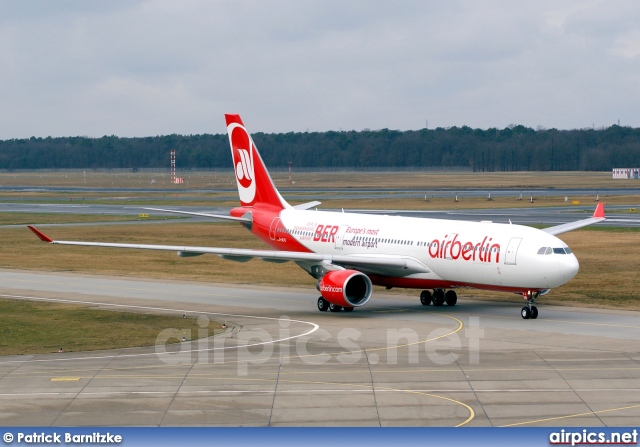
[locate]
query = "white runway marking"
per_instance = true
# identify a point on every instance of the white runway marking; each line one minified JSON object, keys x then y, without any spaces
{"x":314,"y":328}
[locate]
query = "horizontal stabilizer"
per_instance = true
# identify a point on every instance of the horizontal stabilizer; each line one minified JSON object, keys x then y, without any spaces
{"x":308,"y":205}
{"x":213,"y":216}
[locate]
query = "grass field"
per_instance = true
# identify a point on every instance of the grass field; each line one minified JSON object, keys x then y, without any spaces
{"x":323,"y":180}
{"x":608,"y":259}
{"x":351,"y":200}
{"x":31,"y":327}
{"x":497,"y":202}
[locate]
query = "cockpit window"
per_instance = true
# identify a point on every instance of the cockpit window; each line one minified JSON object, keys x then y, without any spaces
{"x":568,"y":250}
{"x":542,"y":250}
{"x":559,"y":251}
{"x":549,"y":251}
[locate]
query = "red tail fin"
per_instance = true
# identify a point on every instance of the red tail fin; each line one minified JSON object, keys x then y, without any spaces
{"x":254,"y":183}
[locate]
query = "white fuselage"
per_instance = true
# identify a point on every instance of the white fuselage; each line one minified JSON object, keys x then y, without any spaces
{"x":461,"y":253}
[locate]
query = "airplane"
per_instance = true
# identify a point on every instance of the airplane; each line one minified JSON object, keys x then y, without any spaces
{"x":347,"y":253}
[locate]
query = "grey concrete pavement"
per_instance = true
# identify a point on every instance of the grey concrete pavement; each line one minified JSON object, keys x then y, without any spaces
{"x":391,"y":363}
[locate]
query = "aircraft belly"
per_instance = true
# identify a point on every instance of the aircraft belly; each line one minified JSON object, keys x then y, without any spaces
{"x":472,"y":273}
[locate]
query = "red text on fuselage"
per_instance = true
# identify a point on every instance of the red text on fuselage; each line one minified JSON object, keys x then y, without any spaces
{"x":468,"y":251}
{"x":325,"y":233}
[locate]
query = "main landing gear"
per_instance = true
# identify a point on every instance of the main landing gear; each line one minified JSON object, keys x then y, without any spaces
{"x":529,"y":311}
{"x":439,"y":297}
{"x":324,"y":305}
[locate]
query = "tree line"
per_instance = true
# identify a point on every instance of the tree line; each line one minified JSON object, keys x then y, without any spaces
{"x":515,"y":148}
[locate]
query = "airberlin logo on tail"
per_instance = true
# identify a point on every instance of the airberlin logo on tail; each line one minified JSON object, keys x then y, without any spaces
{"x":244,"y":168}
{"x":242,"y":152}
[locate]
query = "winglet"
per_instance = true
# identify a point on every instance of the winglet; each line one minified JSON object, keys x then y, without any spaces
{"x":599,"y":212}
{"x":42,"y":236}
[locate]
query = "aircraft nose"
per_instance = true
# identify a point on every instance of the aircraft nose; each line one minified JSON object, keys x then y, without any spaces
{"x":561,"y":269}
{"x":569,"y":267}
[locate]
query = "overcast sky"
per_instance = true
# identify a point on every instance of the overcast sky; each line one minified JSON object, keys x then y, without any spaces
{"x":139,"y":68}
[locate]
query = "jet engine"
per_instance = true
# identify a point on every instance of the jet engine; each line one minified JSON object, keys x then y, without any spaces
{"x":346,"y":288}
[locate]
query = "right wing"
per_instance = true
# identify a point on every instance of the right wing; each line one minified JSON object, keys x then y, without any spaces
{"x":598,"y":216}
{"x":367,"y":263}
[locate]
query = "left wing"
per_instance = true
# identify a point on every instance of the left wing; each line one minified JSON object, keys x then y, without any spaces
{"x":598,"y":216}
{"x":404,"y":265}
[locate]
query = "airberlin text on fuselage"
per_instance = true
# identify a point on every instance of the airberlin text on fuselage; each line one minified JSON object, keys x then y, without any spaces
{"x":446,"y":248}
{"x":483,"y":251}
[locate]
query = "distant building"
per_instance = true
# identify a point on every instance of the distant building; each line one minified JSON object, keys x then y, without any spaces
{"x":626,"y":173}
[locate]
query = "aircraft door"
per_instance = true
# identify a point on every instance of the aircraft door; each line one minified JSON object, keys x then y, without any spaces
{"x":512,"y":251}
{"x":339,"y":237}
{"x":448,"y":248}
{"x":273,"y":230}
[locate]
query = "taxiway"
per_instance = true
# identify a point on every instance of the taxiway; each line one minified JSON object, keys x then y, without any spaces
{"x":617,"y":215}
{"x":281,"y":362}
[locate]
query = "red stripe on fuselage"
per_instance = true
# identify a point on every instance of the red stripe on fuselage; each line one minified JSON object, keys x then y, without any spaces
{"x":415,"y":283}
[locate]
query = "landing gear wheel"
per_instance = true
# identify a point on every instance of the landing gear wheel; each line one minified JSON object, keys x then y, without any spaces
{"x":438,"y":297}
{"x":451,"y":298}
{"x":334,"y":307}
{"x":425,"y":298}
{"x":530,"y":311}
{"x":348,"y":309}
{"x":323,"y":305}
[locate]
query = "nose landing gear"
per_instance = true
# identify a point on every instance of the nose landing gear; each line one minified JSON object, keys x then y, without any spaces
{"x":529,"y":311}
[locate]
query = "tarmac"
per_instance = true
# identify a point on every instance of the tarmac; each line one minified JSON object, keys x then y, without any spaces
{"x":281,"y":362}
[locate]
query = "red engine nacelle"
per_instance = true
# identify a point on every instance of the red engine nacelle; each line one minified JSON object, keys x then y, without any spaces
{"x":346,"y":288}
